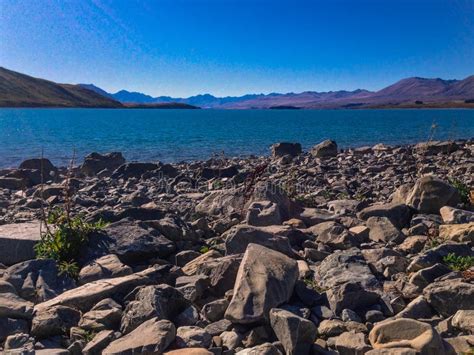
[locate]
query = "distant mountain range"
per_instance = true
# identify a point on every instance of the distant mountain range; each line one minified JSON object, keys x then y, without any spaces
{"x":20,"y":90}
{"x":410,"y":92}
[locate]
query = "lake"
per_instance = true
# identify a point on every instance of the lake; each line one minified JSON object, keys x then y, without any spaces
{"x":175,"y":135}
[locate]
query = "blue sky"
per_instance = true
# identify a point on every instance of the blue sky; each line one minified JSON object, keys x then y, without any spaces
{"x":227,"y":47}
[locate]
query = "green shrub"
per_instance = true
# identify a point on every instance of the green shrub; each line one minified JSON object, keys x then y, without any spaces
{"x":462,"y":188}
{"x":63,"y":239}
{"x":458,"y":263}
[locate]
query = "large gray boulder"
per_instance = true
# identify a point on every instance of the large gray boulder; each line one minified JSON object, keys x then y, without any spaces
{"x":13,"y":306}
{"x":263,"y":213}
{"x":430,"y":193}
{"x":296,"y":334}
{"x":162,"y":302}
{"x":381,"y":229}
{"x":436,"y":147}
{"x":285,"y":148}
{"x":53,"y":321}
{"x":104,"y":315}
{"x":17,"y":242}
{"x":447,"y":297}
{"x":406,"y":333}
{"x":240,"y":236}
{"x":43,"y":165}
{"x":345,"y":266}
{"x":221,"y":272}
{"x":86,"y":296}
{"x":9,"y":326}
{"x":265,"y":280}
{"x":130,"y":241}
{"x":38,"y":280}
{"x":106,"y":267}
{"x":398,"y":213}
{"x":133,"y":170}
{"x":151,"y":337}
{"x":96,"y":162}
{"x":325,"y":149}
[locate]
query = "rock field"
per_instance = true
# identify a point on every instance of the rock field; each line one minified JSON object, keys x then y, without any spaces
{"x":362,"y":251}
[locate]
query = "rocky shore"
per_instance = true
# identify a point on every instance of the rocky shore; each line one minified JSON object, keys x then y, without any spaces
{"x":362,"y":251}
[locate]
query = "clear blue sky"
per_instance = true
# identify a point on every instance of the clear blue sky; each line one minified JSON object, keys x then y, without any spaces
{"x":225,"y":47}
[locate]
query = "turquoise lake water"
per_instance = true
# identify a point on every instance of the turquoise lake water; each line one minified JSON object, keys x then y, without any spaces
{"x":175,"y":135}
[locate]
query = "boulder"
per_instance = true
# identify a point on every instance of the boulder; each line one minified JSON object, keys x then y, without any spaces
{"x":108,"y":266}
{"x":398,"y":213}
{"x":13,"y":306}
{"x":130,"y":241}
{"x":191,"y":267}
{"x":133,"y":170}
{"x":215,"y":310}
{"x":418,"y":308}
{"x":426,"y":276}
{"x":314,"y":216}
{"x":9,"y":326}
{"x":222,"y":202}
{"x":17,"y":242}
{"x":265,"y":280}
{"x":173,"y":228}
{"x":104,"y":315}
{"x":447,"y":297}
{"x":295,"y":333}
{"x":451,"y":215}
{"x":436,"y":255}
{"x":381,"y":229}
{"x":86,"y":296}
{"x":436,"y":147}
{"x":99,"y":342}
{"x":56,"y":320}
{"x":351,"y":343}
{"x":464,"y":320}
{"x":151,"y":337}
{"x":96,"y":162}
{"x":19,"y":343}
{"x":46,"y":168}
{"x":284,"y":148}
{"x":325,"y":149}
{"x":38,"y":280}
{"x":240,"y":236}
{"x":190,"y":337}
{"x":459,"y":345}
{"x":161,"y":302}
{"x":193,"y":287}
{"x":262,"y":349}
{"x":263,"y":213}
{"x":337,"y":236}
{"x":351,"y":295}
{"x":457,"y":232}
{"x":221,"y":272}
{"x":10,"y":183}
{"x":430,"y":193}
{"x":345,"y":266}
{"x":406,"y":333}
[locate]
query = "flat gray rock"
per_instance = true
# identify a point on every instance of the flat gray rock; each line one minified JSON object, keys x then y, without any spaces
{"x":17,"y":242}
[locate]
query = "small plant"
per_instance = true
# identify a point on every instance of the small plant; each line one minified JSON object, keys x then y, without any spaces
{"x":463,"y":190}
{"x":63,"y":239}
{"x":311,"y":283}
{"x":89,"y":335}
{"x":458,"y":263}
{"x":204,"y":249}
{"x":70,"y":269}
